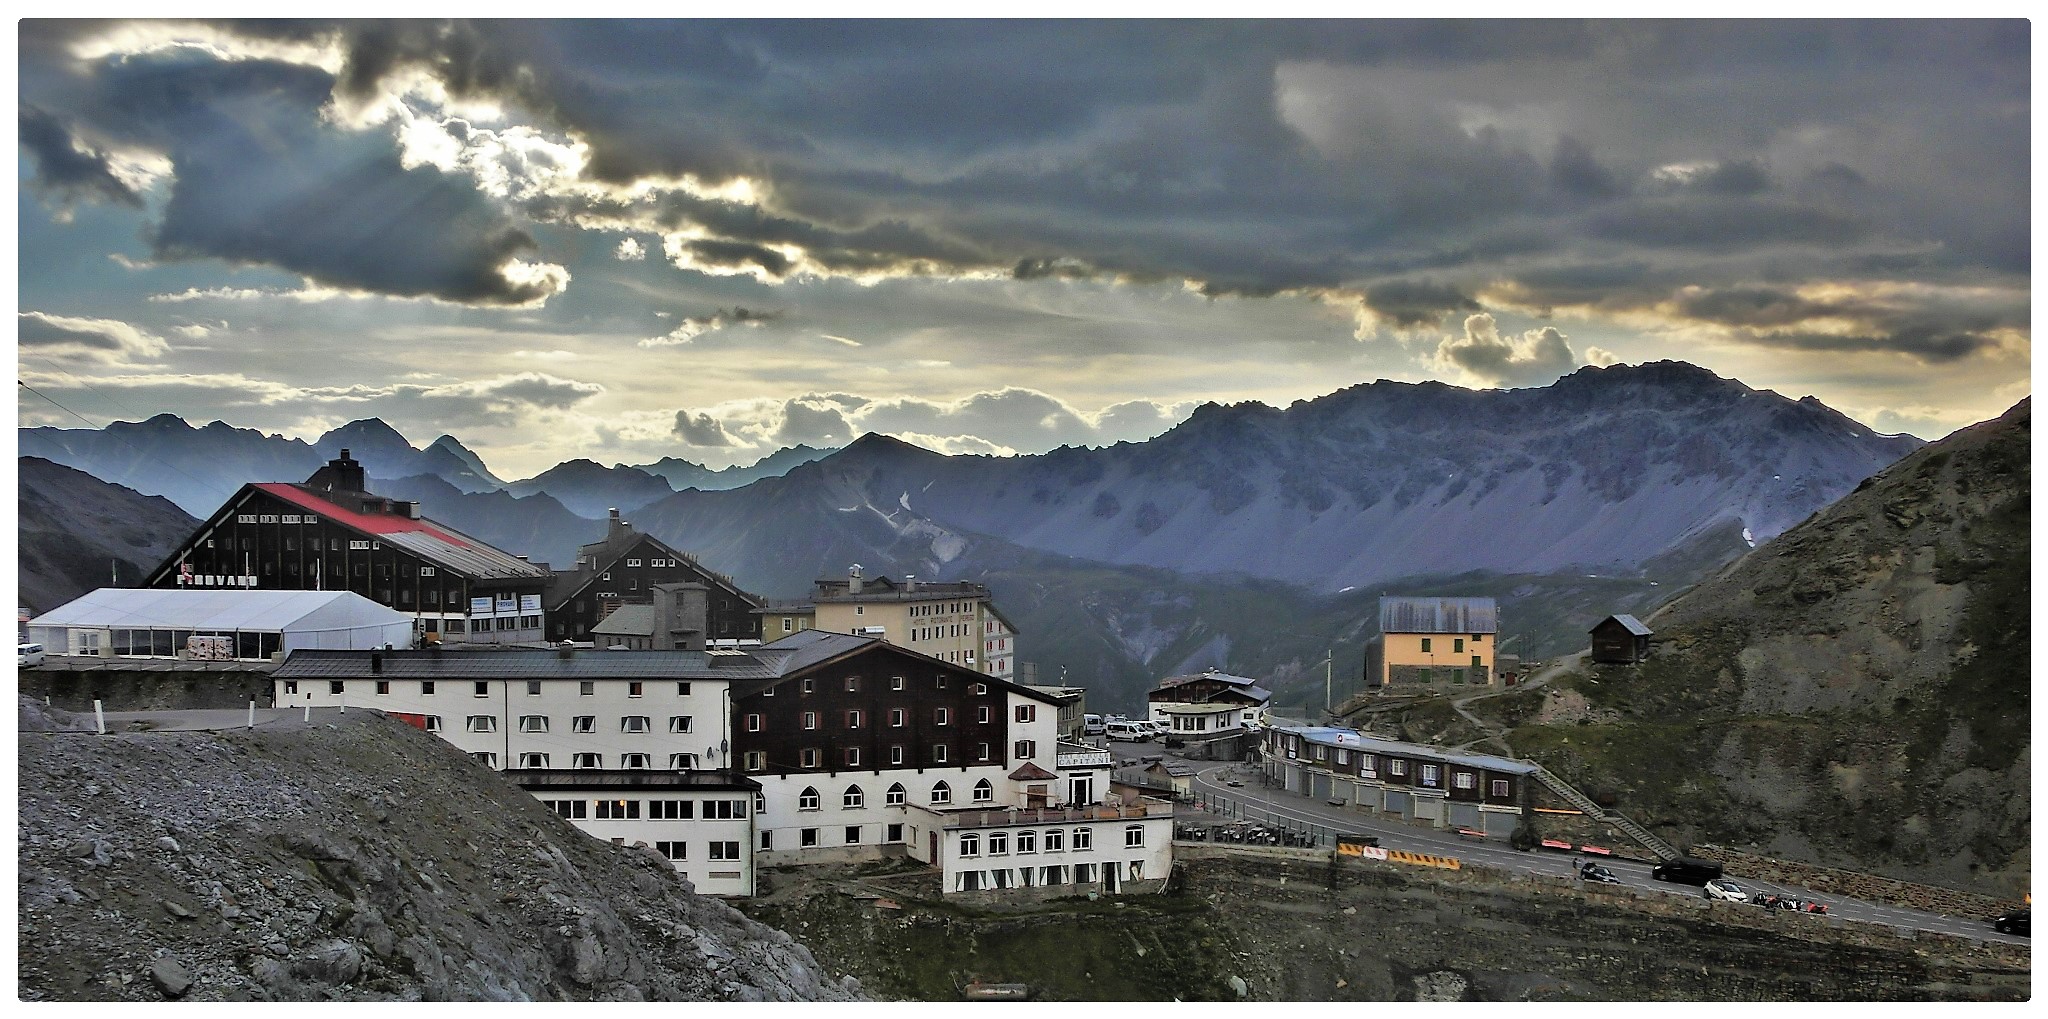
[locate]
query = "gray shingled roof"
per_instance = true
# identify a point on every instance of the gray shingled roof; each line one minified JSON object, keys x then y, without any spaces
{"x":627,"y":621}
{"x":1352,"y":739}
{"x":1631,"y":624}
{"x":1439,"y":615}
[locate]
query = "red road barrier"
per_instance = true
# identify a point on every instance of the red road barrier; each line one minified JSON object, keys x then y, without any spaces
{"x":1556,"y":844}
{"x":1468,"y":833}
{"x":1596,"y":849}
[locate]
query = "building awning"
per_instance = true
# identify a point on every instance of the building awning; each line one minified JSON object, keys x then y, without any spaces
{"x":1030,"y":772}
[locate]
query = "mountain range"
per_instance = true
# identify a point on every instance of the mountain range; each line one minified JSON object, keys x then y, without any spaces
{"x":1249,"y":537}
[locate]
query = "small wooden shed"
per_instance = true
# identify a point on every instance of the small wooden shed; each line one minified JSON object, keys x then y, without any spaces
{"x":1620,"y":640}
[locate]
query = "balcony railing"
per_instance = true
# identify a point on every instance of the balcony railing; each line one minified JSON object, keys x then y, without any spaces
{"x":1145,"y":807}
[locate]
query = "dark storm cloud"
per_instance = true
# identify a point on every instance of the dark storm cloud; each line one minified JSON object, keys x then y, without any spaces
{"x":65,"y":167}
{"x":701,"y":429}
{"x":259,"y":179}
{"x":1416,"y":302}
{"x":1731,"y":224}
{"x":1574,"y":171}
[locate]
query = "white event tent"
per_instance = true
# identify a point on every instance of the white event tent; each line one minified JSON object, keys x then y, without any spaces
{"x":217,"y":624}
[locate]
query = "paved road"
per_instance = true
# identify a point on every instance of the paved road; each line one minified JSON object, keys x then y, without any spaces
{"x":1258,"y":802}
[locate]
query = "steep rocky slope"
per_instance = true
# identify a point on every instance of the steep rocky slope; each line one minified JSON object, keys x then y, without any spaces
{"x":356,"y":859}
{"x":1854,"y":692}
{"x":78,"y":533}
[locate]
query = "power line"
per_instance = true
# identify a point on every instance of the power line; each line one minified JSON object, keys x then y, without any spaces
{"x":212,"y":486}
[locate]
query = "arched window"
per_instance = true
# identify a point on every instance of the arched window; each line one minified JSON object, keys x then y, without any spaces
{"x":984,"y":792}
{"x":852,"y":798}
{"x":942,"y":793}
{"x":896,"y":795}
{"x":808,"y":799}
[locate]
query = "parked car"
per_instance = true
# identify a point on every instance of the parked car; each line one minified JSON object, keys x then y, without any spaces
{"x":1687,"y":870}
{"x":1724,"y":890}
{"x":1597,"y":874}
{"x":2019,"y":921}
{"x":30,"y":654}
{"x":1127,"y":731}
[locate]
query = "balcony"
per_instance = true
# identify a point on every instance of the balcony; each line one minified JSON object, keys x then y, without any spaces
{"x":1145,"y":807}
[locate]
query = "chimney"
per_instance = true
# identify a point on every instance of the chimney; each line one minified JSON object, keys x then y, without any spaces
{"x":909,"y":583}
{"x":341,"y":474}
{"x":566,"y":649}
{"x":853,"y":579}
{"x":617,"y":528}
{"x":376,"y":663}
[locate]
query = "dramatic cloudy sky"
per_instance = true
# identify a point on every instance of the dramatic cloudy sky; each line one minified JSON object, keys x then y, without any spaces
{"x":710,"y":239}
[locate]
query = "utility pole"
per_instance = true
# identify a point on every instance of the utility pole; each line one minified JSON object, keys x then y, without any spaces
{"x":1329,"y":658}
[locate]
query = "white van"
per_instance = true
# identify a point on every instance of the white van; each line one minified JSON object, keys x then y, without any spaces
{"x":1131,"y":731}
{"x":1091,"y":725}
{"x":30,"y":654}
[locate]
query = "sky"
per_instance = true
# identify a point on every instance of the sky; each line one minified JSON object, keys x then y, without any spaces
{"x":706,"y":239}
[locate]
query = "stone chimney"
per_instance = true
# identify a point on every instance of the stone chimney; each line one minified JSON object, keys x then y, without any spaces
{"x":342,"y":474}
{"x":618,"y":528}
{"x":909,"y":583}
{"x":853,"y":579}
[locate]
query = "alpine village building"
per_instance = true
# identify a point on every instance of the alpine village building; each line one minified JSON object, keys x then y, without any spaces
{"x":1425,"y":641}
{"x":955,"y":622}
{"x":623,"y":568}
{"x":1404,"y":781}
{"x":329,"y":534}
{"x":821,"y":747}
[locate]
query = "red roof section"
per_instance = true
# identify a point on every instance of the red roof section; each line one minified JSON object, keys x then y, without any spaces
{"x":371,"y":523}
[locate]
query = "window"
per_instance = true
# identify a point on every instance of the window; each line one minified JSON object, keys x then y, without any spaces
{"x":998,"y":843}
{"x":426,"y":571}
{"x":679,"y":723}
{"x":970,"y":844}
{"x":942,"y":681}
{"x":853,"y":757}
{"x":673,"y":850}
{"x":1500,"y":787}
{"x":533,"y":723}
{"x":981,"y":714}
{"x":1027,"y":842}
{"x":574,"y":810}
{"x":808,"y":686}
{"x":981,"y":751}
{"x":670,"y":810}
{"x":1478,"y":661}
{"x":853,"y":719}
{"x":1429,"y":774}
{"x":682,"y":689}
{"x":769,"y":692}
{"x":1397,"y":766}
{"x":586,"y":689}
{"x":808,"y":837}
{"x":618,"y":810}
{"x":939,"y":716}
{"x":1084,"y":838}
{"x":1343,"y":756}
{"x":977,"y":690}
{"x":334,"y":686}
{"x":488,"y":760}
{"x":636,"y":689}
{"x":755,"y":760}
{"x":808,"y":799}
{"x":433,"y":723}
{"x":893,"y":833}
{"x":1027,"y":712}
{"x":1134,"y":836}
{"x":853,"y":834}
{"x":895,"y":755}
{"x":767,"y":841}
{"x":533,"y":760}
{"x":587,"y":761}
{"x":786,"y":624}
{"x":725,"y":851}
{"x":583,"y":723}
{"x":1458,"y":645}
{"x":938,"y":753}
{"x":1027,"y":748}
{"x":1425,"y":645}
{"x":483,"y":723}
{"x":426,"y":688}
{"x":942,"y":793}
{"x":1464,"y":780}
{"x":753,"y":723}
{"x":984,"y":792}
{"x":852,"y":683}
{"x":634,"y":723}
{"x":896,"y":718}
{"x":632,"y":562}
{"x":895,"y":796}
{"x":852,"y":798}
{"x":480,"y":689}
{"x":634,"y":762}
{"x":1055,"y":841}
{"x":810,"y":719}
{"x":533,"y":688}
{"x":895,"y":682}
{"x":682,"y":762}
{"x":807,"y":758}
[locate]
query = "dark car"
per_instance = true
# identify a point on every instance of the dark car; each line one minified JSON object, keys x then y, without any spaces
{"x":1687,"y":870}
{"x":1597,"y":874}
{"x":2019,"y":921}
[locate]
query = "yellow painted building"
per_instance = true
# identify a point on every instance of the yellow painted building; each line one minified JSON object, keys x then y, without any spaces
{"x":952,"y":622}
{"x":1434,"y":641}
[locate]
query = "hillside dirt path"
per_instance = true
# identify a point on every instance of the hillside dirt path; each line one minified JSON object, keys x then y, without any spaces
{"x":1493,"y":733}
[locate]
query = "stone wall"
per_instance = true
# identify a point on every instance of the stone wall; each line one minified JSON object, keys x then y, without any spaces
{"x":150,"y":686}
{"x":1868,"y":887}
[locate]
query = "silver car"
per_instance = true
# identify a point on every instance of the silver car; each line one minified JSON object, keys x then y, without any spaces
{"x":1725,"y":890}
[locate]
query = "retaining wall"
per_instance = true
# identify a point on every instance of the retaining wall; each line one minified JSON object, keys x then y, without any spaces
{"x":1868,"y":887}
